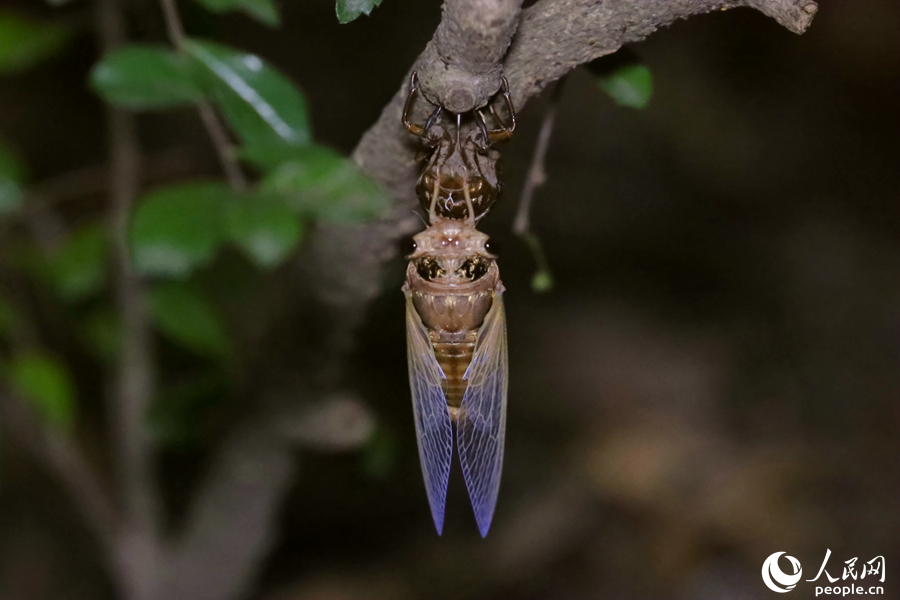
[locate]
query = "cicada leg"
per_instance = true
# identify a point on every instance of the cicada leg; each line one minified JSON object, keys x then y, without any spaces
{"x":434,"y":117}
{"x":504,"y":131}
{"x":413,"y":128}
{"x":469,"y":205}
{"x":434,"y":195}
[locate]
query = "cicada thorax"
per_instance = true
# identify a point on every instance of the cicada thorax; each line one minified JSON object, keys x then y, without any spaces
{"x":452,"y":280}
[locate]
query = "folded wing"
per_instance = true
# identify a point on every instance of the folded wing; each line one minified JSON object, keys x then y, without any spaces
{"x":434,"y":430}
{"x":481,"y":427}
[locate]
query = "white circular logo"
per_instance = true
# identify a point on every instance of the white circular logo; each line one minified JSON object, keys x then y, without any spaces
{"x":773,"y":575}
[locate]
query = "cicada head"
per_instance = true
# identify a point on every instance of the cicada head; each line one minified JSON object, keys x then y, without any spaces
{"x":451,"y":252}
{"x":450,"y":237}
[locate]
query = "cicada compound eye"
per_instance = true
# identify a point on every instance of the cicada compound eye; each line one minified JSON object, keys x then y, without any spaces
{"x":408,"y":246}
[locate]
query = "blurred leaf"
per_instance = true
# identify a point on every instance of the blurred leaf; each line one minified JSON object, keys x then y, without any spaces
{"x":262,"y":105}
{"x":78,"y":269}
{"x":24,"y":42}
{"x":264,"y":226}
{"x":348,"y":10}
{"x":322,"y":183}
{"x":9,"y":318}
{"x":261,"y":10}
{"x":45,"y":383}
{"x":188,"y":318}
{"x":145,"y":77}
{"x":629,"y":84}
{"x":178,"y":228}
{"x":101,"y":330}
{"x":11,"y":173}
{"x":268,"y":157}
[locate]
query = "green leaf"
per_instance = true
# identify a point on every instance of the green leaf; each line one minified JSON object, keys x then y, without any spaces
{"x":24,"y":42}
{"x":178,"y":228}
{"x":348,"y":10}
{"x":146,"y":77}
{"x":264,"y":227}
{"x":261,"y":10}
{"x":11,"y":174}
{"x":629,"y":85}
{"x":261,"y":105}
{"x":186,"y":317}
{"x":78,"y":269}
{"x":268,"y":157}
{"x":322,"y":183}
{"x":45,"y":383}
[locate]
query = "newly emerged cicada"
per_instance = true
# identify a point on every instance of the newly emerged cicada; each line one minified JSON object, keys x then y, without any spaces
{"x":456,"y":347}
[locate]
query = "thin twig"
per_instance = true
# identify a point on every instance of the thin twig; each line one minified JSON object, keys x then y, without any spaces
{"x":139,"y":541}
{"x":214,"y":126}
{"x":224,"y":149}
{"x":537,"y":176}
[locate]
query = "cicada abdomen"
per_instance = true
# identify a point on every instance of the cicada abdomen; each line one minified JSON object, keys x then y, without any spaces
{"x":456,"y":346}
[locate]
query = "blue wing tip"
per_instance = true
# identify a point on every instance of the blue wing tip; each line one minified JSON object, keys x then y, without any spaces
{"x":438,"y":523}
{"x":484,"y":524}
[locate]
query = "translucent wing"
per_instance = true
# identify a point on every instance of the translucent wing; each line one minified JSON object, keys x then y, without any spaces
{"x":481,"y":427}
{"x":434,"y":429}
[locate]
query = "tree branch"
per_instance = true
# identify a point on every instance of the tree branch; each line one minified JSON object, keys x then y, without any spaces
{"x":231,"y":525}
{"x":57,"y":452}
{"x":460,"y":67}
{"x":138,"y":539}
{"x":553,"y":37}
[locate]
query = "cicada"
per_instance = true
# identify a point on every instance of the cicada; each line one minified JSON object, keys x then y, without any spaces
{"x":456,"y":348}
{"x":461,"y":172}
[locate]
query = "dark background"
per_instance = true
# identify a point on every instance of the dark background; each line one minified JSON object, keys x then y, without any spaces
{"x":713,"y":378}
